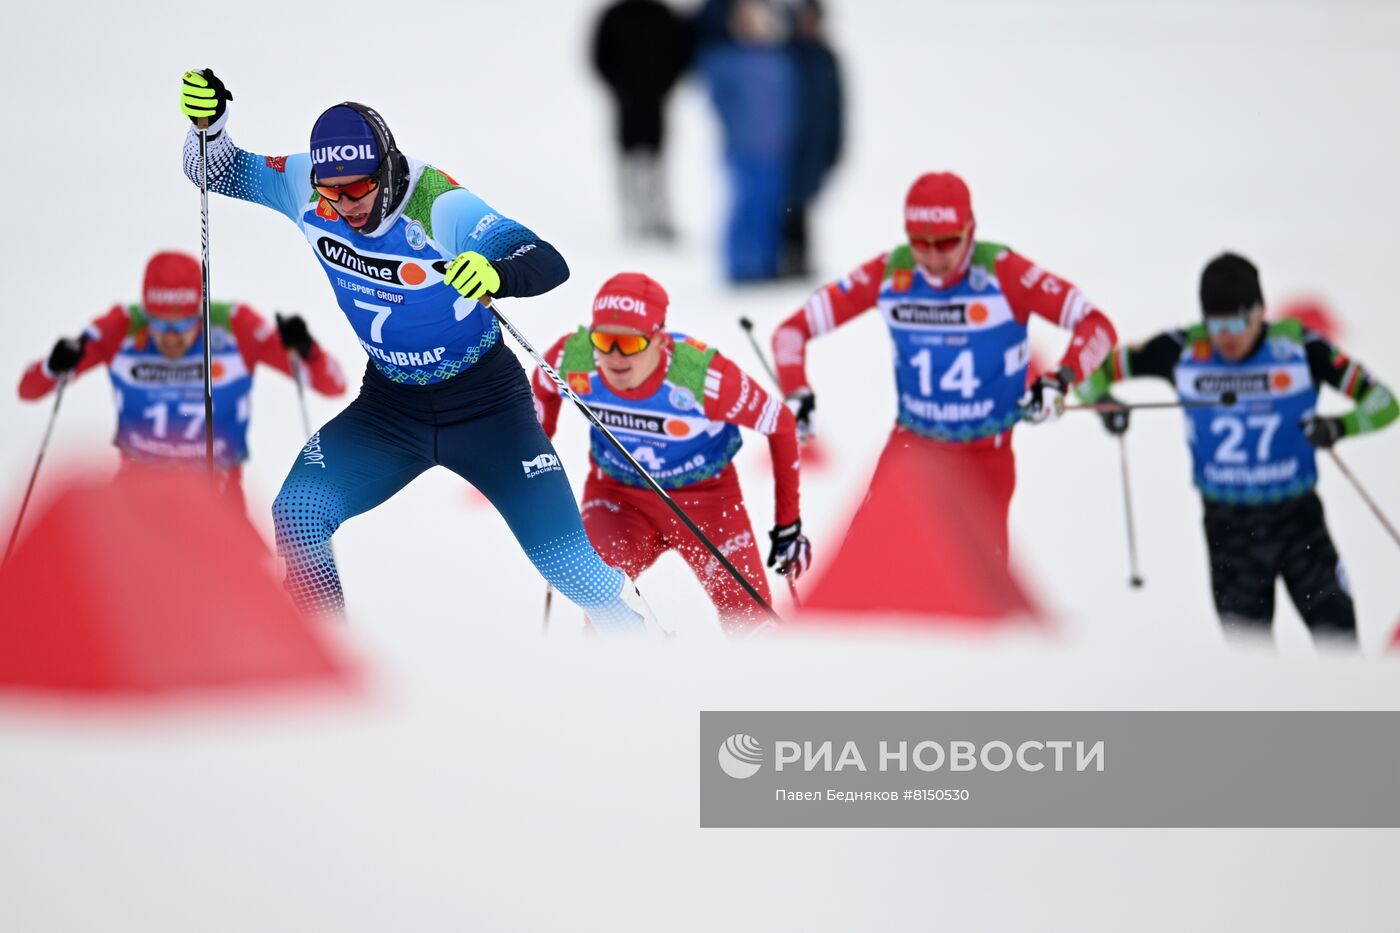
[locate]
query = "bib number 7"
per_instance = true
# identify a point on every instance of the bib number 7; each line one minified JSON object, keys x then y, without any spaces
{"x":381,"y":314}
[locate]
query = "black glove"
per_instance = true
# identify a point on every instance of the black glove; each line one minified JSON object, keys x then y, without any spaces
{"x":1115,"y":420}
{"x":791,"y":551}
{"x":203,"y":96}
{"x":295,"y":336}
{"x":64,"y":356}
{"x":1044,"y":401}
{"x":802,"y":403}
{"x":1322,"y":430}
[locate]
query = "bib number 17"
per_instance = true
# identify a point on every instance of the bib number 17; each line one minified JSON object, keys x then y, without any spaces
{"x":960,"y":377}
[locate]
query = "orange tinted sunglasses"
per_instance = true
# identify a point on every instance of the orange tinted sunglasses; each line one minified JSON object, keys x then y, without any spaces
{"x":944,"y":244}
{"x":354,"y":190}
{"x":627,"y":344}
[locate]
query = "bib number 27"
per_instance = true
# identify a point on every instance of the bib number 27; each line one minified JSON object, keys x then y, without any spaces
{"x":1235,"y":429}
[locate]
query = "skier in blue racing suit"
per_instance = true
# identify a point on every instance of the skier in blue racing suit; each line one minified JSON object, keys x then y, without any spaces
{"x":410,"y":254}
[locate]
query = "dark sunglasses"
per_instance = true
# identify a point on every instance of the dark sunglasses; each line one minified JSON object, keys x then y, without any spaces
{"x":627,"y":344}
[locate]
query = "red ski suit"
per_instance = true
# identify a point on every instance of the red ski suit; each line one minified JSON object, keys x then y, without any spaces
{"x":631,"y":526}
{"x":258,"y":343}
{"x":1028,"y":290}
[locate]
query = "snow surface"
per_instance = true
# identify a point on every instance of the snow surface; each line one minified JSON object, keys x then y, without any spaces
{"x":497,"y":783}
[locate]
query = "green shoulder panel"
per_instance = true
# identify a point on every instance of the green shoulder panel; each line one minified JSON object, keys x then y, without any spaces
{"x":578,"y":353}
{"x":689,"y":364}
{"x":420,"y":207}
{"x":1287,"y":329}
{"x":985,"y":255}
{"x":220,"y":315}
{"x":1197,"y":331}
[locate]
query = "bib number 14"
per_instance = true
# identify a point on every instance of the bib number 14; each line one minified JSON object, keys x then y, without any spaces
{"x":960,"y":377}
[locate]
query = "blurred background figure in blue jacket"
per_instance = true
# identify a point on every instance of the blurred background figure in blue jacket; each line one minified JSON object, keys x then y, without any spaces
{"x":817,"y":132}
{"x":752,"y":81}
{"x":641,"y":48}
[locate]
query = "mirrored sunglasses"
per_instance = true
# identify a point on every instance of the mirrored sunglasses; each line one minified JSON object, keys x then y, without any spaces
{"x":626,"y":344}
{"x":172,"y":325}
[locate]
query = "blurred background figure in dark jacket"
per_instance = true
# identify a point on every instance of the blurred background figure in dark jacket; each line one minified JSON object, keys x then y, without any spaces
{"x":640,"y":49}
{"x":752,"y":83}
{"x":817,"y":132}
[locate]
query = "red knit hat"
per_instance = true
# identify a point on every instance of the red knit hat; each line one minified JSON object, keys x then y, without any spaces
{"x":633,"y":300}
{"x":172,"y":285}
{"x":938,"y":204}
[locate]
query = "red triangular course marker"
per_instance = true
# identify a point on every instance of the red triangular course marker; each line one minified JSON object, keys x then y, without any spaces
{"x":919,"y":552}
{"x":149,"y":585}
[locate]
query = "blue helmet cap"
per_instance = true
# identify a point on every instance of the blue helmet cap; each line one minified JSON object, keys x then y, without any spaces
{"x":344,"y":143}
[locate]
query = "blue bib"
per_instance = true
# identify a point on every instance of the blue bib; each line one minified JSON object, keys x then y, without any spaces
{"x":960,"y":354}
{"x":415,"y":328}
{"x":1253,"y":452}
{"x":160,"y":401}
{"x":668,"y":432}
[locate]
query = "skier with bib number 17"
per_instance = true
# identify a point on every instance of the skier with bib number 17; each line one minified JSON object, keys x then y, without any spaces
{"x":155,"y":361}
{"x":958,"y":311}
{"x":410,"y":254}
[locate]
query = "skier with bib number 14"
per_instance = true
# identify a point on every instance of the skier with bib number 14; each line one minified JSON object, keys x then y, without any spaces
{"x":958,"y":310}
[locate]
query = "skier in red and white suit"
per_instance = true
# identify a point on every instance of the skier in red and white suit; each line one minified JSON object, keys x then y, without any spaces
{"x":958,"y":310}
{"x":677,"y":406}
{"x":155,"y":359}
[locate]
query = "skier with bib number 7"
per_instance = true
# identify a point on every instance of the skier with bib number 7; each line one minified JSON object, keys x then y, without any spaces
{"x":410,"y":254}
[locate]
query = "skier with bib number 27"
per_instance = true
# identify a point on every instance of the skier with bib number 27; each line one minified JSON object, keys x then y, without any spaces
{"x":958,"y":311}
{"x":677,"y":405}
{"x":409,"y":254}
{"x":1254,"y":462}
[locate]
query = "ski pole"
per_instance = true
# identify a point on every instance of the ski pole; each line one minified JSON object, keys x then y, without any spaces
{"x":792,"y":589}
{"x":203,"y":133}
{"x":1134,"y":577}
{"x":626,"y":455}
{"x":301,"y":393}
{"x":43,"y":446}
{"x":1227,"y":399}
{"x":747,"y":325}
{"x":548,"y":601}
{"x":1361,"y":491}
{"x":804,"y":435}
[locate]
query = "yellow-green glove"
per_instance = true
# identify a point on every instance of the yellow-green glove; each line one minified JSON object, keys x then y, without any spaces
{"x":473,"y":275}
{"x":203,"y":96}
